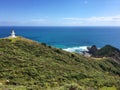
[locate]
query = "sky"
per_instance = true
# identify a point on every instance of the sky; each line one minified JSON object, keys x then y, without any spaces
{"x":59,"y":12}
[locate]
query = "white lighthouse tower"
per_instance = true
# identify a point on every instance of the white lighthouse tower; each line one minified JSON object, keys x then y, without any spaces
{"x":13,"y":34}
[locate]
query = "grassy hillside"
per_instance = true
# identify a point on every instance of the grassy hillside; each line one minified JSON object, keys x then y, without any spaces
{"x":28,"y":65}
{"x":108,"y":51}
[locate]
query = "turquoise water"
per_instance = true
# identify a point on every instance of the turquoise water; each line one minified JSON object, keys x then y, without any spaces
{"x":68,"y":38}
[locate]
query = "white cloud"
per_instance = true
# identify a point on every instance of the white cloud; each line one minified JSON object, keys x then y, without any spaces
{"x":32,"y":22}
{"x":39,"y":20}
{"x":74,"y":19}
{"x":68,"y":21}
{"x":73,"y":23}
{"x":109,"y":20}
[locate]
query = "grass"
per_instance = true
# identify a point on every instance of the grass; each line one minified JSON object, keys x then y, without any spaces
{"x":29,"y":65}
{"x":11,"y":87}
{"x":108,"y":88}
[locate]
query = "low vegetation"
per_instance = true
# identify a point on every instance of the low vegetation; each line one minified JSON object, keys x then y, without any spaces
{"x":29,"y":65}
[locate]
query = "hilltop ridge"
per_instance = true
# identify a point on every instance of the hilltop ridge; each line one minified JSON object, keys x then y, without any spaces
{"x":36,"y":66}
{"x":106,"y":51}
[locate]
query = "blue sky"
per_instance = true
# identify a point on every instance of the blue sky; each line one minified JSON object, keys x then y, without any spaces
{"x":59,"y":12}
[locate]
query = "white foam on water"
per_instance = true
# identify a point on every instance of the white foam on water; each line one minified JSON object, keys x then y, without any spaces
{"x":79,"y":49}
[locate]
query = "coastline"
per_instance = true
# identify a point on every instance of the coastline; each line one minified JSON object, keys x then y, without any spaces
{"x":63,"y":37}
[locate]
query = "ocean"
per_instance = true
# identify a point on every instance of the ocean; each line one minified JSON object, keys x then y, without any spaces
{"x":72,"y":39}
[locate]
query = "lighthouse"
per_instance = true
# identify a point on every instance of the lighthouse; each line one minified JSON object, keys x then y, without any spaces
{"x":13,"y":34}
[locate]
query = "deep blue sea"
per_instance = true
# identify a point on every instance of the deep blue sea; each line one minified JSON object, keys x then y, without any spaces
{"x":68,"y":38}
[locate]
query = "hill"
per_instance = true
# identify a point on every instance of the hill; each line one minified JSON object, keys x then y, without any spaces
{"x":29,"y":65}
{"x":108,"y":51}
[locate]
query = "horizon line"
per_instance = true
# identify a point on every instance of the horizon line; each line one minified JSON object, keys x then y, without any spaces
{"x":53,"y":26}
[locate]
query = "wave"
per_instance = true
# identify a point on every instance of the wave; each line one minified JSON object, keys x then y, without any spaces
{"x":79,"y":49}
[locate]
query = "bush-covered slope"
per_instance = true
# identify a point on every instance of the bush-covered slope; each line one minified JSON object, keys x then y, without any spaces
{"x":109,"y":51}
{"x":30,"y":65}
